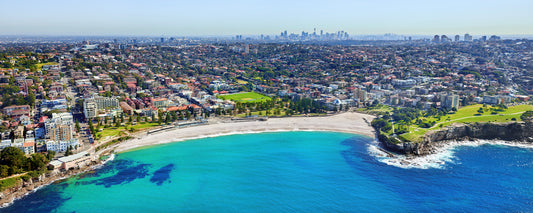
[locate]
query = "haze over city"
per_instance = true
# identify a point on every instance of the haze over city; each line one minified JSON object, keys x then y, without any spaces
{"x":208,"y":17}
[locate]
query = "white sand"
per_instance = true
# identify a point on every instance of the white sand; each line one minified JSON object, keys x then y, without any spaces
{"x":349,"y":122}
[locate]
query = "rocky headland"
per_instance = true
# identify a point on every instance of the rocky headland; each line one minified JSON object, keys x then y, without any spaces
{"x":513,"y":131}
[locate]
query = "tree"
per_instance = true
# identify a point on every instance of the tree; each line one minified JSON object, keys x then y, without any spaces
{"x":38,"y":162}
{"x":69,"y":151}
{"x":527,"y":116}
{"x":50,"y":155}
{"x":167,"y":118}
{"x":12,"y":136}
{"x":24,"y":133}
{"x":12,"y":157}
{"x":31,"y":98}
{"x":4,"y":171}
{"x":77,"y":125}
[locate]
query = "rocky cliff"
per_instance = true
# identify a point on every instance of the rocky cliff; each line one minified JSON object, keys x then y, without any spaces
{"x":515,"y":131}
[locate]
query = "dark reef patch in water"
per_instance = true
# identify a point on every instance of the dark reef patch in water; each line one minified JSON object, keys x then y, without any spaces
{"x":162,"y":175}
{"x":126,"y":171}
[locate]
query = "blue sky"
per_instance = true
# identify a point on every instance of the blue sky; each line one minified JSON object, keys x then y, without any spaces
{"x":231,"y":17}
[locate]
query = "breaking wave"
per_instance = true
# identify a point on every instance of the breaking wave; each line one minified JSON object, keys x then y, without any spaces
{"x":444,"y":154}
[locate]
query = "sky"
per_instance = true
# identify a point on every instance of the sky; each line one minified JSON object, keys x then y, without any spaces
{"x":269,"y":17}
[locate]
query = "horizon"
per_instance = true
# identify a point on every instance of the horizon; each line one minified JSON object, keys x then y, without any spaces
{"x":254,"y":36}
{"x":234,"y":17}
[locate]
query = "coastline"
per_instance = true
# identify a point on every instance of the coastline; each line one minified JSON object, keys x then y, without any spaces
{"x":443,"y":153}
{"x":348,"y":122}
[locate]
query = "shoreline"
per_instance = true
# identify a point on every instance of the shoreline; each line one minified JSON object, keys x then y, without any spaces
{"x":443,"y":153}
{"x":348,"y":122}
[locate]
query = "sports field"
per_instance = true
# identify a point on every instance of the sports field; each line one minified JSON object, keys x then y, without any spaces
{"x":245,"y":97}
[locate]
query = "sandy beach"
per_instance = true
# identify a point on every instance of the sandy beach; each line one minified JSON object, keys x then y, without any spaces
{"x":349,"y":122}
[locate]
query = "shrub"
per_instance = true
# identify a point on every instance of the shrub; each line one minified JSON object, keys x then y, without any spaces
{"x":7,"y":183}
{"x":25,"y":177}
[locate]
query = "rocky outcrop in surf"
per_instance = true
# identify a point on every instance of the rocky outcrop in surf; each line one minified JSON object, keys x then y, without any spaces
{"x":513,"y":131}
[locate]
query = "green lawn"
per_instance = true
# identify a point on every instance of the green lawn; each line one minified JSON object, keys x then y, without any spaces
{"x":379,"y":108}
{"x":469,"y":114}
{"x":242,"y":82}
{"x":120,"y":131}
{"x":40,"y":65}
{"x":245,"y":97}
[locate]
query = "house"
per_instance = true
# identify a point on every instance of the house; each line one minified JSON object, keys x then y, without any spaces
{"x":28,"y":148}
{"x":126,"y":108}
{"x":17,"y":111}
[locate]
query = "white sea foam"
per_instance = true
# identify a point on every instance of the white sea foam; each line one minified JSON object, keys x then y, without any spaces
{"x":444,"y":154}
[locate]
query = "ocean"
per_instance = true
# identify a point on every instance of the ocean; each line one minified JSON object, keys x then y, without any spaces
{"x":295,"y":172}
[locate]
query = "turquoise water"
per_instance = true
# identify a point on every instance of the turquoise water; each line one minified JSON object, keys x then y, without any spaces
{"x":291,"y":172}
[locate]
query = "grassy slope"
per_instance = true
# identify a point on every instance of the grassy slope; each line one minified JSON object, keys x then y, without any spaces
{"x":468,"y":115}
{"x":8,"y":183}
{"x":114,"y":131}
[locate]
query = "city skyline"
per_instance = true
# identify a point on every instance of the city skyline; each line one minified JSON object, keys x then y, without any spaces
{"x":214,"y":18}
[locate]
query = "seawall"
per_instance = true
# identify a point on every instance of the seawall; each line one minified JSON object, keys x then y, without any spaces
{"x":512,"y":131}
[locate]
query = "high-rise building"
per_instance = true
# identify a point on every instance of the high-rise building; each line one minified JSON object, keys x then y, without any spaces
{"x":494,"y":38}
{"x":457,"y":38}
{"x":92,"y":105}
{"x":468,"y":37}
{"x":436,"y":38}
{"x":60,"y":127}
{"x":483,"y":38}
{"x":246,"y":49}
{"x":450,"y":101}
{"x":89,"y":109}
{"x":360,"y":94}
{"x":104,"y":102}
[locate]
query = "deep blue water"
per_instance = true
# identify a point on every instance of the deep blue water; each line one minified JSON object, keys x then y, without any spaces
{"x":291,"y":172}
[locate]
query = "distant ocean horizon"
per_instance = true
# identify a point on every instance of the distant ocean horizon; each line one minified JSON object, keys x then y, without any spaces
{"x":294,"y":172}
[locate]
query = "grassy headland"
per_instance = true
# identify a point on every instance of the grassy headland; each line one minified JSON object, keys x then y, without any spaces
{"x":412,"y":124}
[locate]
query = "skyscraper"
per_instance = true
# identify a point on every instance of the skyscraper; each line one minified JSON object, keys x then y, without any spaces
{"x":457,"y":37}
{"x":468,"y":37}
{"x":436,"y":38}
